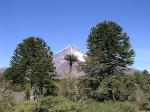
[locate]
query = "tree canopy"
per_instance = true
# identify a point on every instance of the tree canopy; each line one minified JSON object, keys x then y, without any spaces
{"x":109,"y":49}
{"x":32,"y":63}
{"x":70,"y":58}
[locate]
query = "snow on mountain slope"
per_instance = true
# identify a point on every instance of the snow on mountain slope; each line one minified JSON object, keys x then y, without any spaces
{"x":71,"y":50}
{"x":62,"y":66}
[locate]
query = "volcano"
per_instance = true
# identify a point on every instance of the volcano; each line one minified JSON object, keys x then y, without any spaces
{"x":62,"y":66}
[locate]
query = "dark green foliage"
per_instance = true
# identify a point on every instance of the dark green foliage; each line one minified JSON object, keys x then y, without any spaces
{"x":109,"y":48}
{"x":117,"y":87}
{"x":145,"y":72}
{"x":87,"y":86}
{"x":8,"y":74}
{"x":49,"y":104}
{"x":61,"y":104}
{"x":50,"y":89}
{"x":71,"y":59}
{"x":144,"y":105}
{"x":144,"y":82}
{"x":32,"y":63}
{"x":40,"y":109}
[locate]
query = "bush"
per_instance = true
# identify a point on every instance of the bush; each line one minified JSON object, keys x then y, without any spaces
{"x":27,"y":106}
{"x":87,"y":86}
{"x":7,"y":101}
{"x":39,"y":109}
{"x":116,"y":87}
{"x":7,"y":104}
{"x":66,"y":87}
{"x":48,"y":104}
{"x":128,"y":107}
{"x":61,"y":104}
{"x":144,"y":105}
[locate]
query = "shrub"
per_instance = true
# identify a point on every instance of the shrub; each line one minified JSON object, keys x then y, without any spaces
{"x":61,"y":104}
{"x":116,"y":87}
{"x":7,"y":104}
{"x":128,"y":107}
{"x":48,"y":104}
{"x":7,"y":101}
{"x":39,"y":109}
{"x":144,"y":105}
{"x":87,"y":86}
{"x":66,"y":87}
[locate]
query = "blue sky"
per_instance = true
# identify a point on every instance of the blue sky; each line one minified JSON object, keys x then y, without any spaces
{"x":64,"y":22}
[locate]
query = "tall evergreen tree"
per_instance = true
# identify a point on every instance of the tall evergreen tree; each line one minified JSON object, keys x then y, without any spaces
{"x":32,"y":63}
{"x":109,"y":48}
{"x":72,"y":59}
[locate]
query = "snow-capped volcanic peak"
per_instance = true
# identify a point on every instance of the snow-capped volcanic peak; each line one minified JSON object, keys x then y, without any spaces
{"x":62,"y":65}
{"x":71,"y":49}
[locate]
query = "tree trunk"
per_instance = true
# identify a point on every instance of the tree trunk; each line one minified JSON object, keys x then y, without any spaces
{"x":76,"y":90}
{"x":41,"y":90}
{"x":70,"y":68}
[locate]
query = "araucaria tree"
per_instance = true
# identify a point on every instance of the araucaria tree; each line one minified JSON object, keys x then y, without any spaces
{"x":109,"y":49}
{"x":32,"y":63}
{"x":70,"y":58}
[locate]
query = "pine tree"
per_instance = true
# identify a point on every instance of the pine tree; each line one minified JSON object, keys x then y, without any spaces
{"x":32,"y":63}
{"x":71,"y":59}
{"x":109,"y":49}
